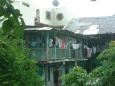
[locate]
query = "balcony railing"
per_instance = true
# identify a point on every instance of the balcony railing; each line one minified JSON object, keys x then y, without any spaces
{"x":47,"y":54}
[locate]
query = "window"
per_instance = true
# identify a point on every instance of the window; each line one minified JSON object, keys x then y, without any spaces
{"x":66,"y":69}
{"x":48,"y":15}
{"x":48,"y":72}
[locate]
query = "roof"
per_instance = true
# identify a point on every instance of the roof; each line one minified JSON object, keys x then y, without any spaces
{"x":36,"y":28}
{"x":92,"y":25}
{"x":49,"y":29}
{"x":92,"y":30}
{"x":46,"y":25}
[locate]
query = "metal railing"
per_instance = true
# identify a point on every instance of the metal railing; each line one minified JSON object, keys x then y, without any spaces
{"x":53,"y":53}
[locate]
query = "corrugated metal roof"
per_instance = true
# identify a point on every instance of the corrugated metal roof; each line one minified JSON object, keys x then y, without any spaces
{"x":48,"y":29}
{"x":43,"y":28}
{"x":92,"y":30}
{"x":82,"y":25}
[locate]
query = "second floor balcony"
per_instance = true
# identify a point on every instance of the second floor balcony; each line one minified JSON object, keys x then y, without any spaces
{"x":54,"y":54}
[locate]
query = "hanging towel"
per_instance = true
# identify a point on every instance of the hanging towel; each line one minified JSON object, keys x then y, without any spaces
{"x":89,"y":52}
{"x":63,"y":44}
{"x":75,"y":46}
{"x":50,"y":42}
{"x":94,"y":50}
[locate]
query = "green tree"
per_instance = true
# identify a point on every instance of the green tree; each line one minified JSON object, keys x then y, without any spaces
{"x":104,"y":75}
{"x":77,"y":77}
{"x":16,"y":69}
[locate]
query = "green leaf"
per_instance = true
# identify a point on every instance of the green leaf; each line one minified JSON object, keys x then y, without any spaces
{"x":1,"y":11}
{"x":9,"y":10}
{"x":18,"y":32}
{"x":2,"y":3}
{"x":16,"y":13}
{"x":7,"y":26}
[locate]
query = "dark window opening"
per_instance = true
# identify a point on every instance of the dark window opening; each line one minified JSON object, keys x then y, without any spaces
{"x":48,"y":72}
{"x":37,"y":13}
{"x":48,"y":15}
{"x":66,"y":69}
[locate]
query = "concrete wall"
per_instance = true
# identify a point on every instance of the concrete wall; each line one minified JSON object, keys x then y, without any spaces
{"x":43,"y":16}
{"x":27,"y":12}
{"x":52,"y":68}
{"x":67,"y":16}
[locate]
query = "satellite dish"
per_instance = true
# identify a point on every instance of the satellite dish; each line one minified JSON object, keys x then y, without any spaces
{"x":55,"y":3}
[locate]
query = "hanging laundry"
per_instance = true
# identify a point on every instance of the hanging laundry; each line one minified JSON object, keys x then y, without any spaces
{"x":57,"y":42}
{"x":85,"y":52}
{"x":50,"y":42}
{"x":75,"y":46}
{"x":63,"y":44}
{"x":53,"y":42}
{"x":66,"y":43}
{"x":94,"y":50}
{"x":89,"y":52}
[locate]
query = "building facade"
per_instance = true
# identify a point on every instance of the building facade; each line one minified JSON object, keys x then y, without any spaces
{"x":53,"y":16}
{"x":55,"y":50}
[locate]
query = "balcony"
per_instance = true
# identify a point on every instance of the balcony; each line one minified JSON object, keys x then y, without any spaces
{"x":54,"y":54}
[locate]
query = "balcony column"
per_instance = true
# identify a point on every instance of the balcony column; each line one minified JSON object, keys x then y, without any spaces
{"x":69,"y":48}
{"x":47,"y":45}
{"x":81,"y":48}
{"x":55,"y":52}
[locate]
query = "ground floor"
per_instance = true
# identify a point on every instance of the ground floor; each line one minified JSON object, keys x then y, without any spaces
{"x":52,"y":73}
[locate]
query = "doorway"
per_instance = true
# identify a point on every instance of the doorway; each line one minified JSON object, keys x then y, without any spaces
{"x":56,"y":75}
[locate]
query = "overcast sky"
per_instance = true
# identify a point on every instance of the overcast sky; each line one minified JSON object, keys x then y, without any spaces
{"x":82,"y":8}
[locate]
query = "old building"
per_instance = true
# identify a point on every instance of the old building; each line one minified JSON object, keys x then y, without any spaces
{"x":55,"y":50}
{"x":55,"y":16}
{"x":96,"y":33}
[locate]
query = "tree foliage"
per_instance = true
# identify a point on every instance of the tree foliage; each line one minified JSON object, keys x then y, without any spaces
{"x":106,"y":72}
{"x":103,"y":75}
{"x":77,"y":77}
{"x":13,"y":23}
{"x":16,"y":69}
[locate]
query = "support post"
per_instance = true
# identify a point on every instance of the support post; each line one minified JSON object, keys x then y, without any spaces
{"x":47,"y":45}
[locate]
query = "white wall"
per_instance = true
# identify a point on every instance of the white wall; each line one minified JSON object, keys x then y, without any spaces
{"x":67,"y":16}
{"x":27,"y":12}
{"x":54,"y":11}
{"x":43,"y":16}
